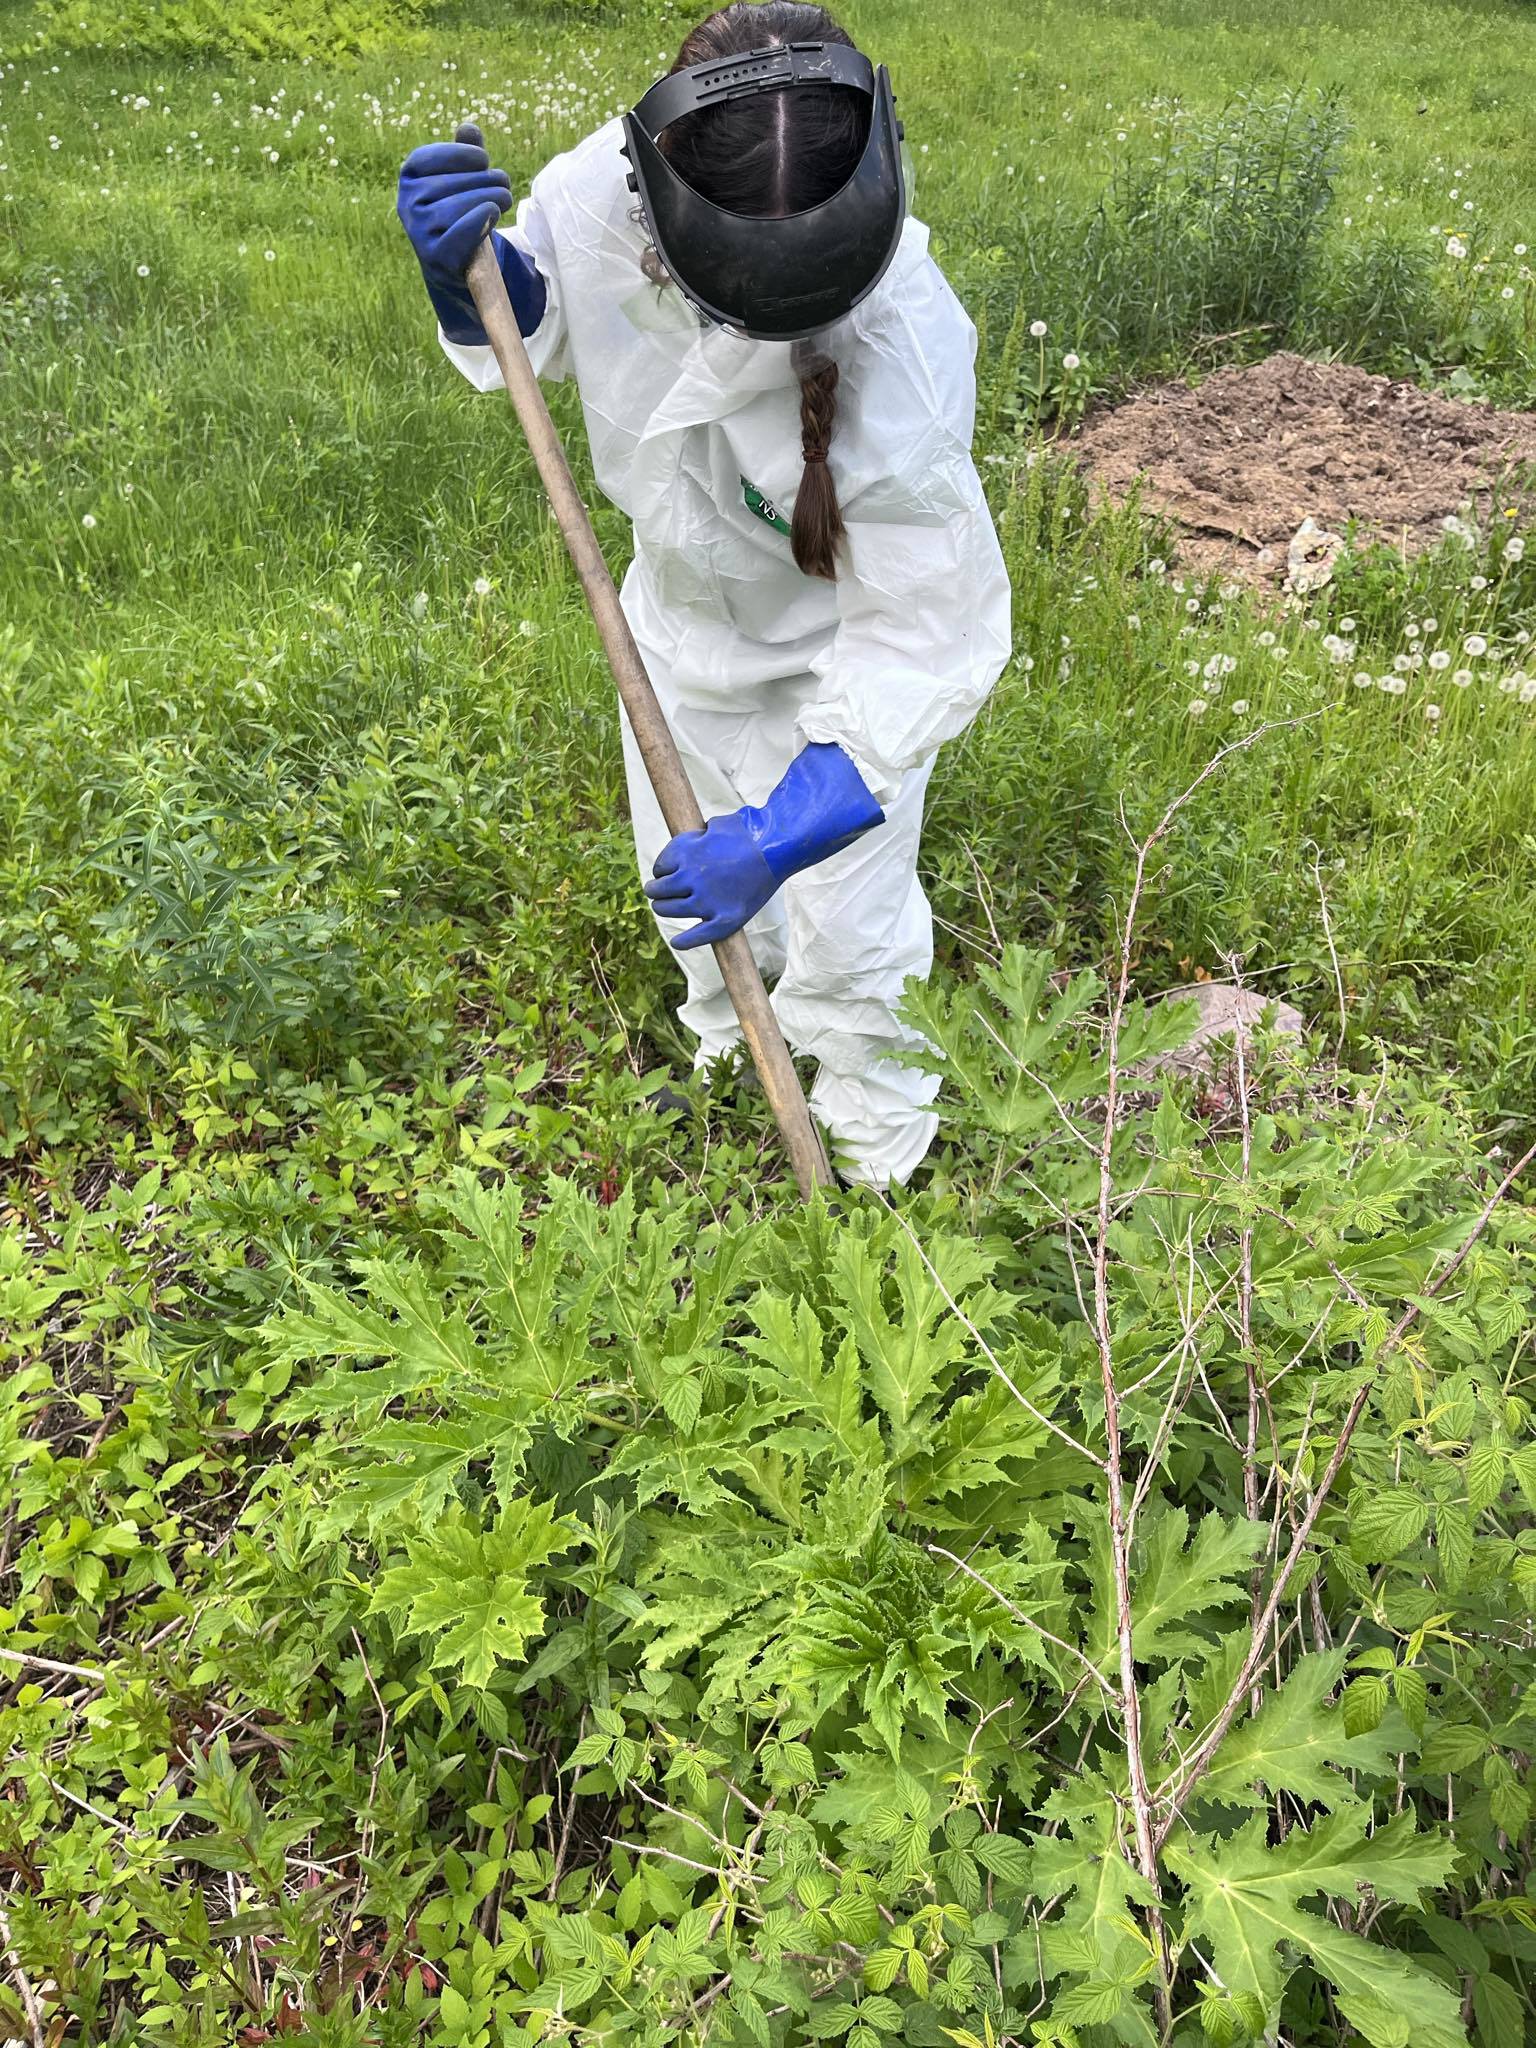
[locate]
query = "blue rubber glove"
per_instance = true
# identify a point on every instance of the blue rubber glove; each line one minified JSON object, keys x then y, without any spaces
{"x":450,"y":199}
{"x":726,"y":873}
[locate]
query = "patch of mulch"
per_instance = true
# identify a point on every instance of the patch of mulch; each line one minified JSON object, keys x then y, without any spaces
{"x":1240,"y":460}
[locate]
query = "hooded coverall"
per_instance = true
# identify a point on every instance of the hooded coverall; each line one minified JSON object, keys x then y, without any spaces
{"x":695,"y":434}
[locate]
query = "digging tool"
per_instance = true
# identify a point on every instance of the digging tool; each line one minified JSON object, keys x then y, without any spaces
{"x":658,"y":750}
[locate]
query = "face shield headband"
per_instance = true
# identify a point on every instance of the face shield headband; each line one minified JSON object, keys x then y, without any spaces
{"x":776,"y":279}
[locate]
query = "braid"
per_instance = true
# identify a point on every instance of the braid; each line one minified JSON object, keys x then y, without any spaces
{"x":817,"y":529}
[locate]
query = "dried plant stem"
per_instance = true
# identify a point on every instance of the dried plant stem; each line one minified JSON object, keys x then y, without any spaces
{"x":1175,"y":1796}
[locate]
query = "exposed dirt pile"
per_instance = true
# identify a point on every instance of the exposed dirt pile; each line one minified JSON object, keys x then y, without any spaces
{"x":1240,"y":460}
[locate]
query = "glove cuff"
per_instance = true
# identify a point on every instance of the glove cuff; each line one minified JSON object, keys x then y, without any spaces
{"x":454,"y":302}
{"x":822,"y":805}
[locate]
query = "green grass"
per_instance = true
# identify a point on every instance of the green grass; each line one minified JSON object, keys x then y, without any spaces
{"x":315,"y":878}
{"x":228,"y":479}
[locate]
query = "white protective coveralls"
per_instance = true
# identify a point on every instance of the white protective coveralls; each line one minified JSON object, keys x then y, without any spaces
{"x":695,"y":433}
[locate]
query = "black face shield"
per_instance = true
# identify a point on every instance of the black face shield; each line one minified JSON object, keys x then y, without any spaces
{"x":777,"y":279}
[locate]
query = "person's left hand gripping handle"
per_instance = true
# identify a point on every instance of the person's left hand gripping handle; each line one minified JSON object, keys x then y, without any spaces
{"x":449,"y":200}
{"x":725,"y":874}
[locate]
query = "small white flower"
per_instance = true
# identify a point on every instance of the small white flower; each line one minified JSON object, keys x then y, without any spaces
{"x":1394,"y":685}
{"x":1439,"y":660}
{"x":1432,"y":712}
{"x":1462,"y":677}
{"x":270,"y":254}
{"x":1133,"y":620}
{"x":1239,"y":706}
{"x":1508,"y":292}
{"x":482,"y":586}
{"x":1157,"y":566}
{"x":1455,"y":246}
{"x":1528,"y":690}
{"x":1346,"y":625}
{"x":1401,"y":661}
{"x":1519,"y":248}
{"x":527,"y":628}
{"x":1198,"y":707}
{"x":1191,"y":604}
{"x":1278,"y":652}
{"x":1070,"y":361}
{"x":88,"y":521}
{"x":1266,"y":639}
{"x":143,"y":270}
{"x":1478,"y":583}
{"x":1514,"y":549}
{"x":1363,"y":679}
{"x":1475,"y":644}
{"x":419,"y":606}
{"x":1037,"y":328}
{"x":1430,"y":625}
{"x":1411,"y":630}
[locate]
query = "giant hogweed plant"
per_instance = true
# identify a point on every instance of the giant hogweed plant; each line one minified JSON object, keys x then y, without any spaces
{"x":1091,"y":1605}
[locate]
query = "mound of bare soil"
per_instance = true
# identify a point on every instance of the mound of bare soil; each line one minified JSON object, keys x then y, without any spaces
{"x":1240,"y":460}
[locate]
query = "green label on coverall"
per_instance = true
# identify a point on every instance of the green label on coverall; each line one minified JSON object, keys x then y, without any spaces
{"x":765,"y":508}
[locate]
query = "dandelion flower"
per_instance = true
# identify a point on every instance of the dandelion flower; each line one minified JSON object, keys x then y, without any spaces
{"x":1394,"y":685}
{"x":270,"y":254}
{"x":1455,"y":246}
{"x":1346,"y":625}
{"x":1266,"y":639}
{"x":527,"y":628}
{"x":1519,"y":248}
{"x":1432,"y":713}
{"x":1508,"y":292}
{"x":1514,"y":549}
{"x":1363,"y":679}
{"x":1191,"y":604}
{"x":419,"y":606}
{"x":1198,"y":707}
{"x":88,"y":521}
{"x":143,"y":270}
{"x":1037,"y":328}
{"x":482,"y":586}
{"x":1239,"y":706}
{"x":1157,"y":566}
{"x":1475,"y":644}
{"x":1070,"y":361}
{"x":1439,"y":660}
{"x":1478,"y":583}
{"x":1462,"y":677}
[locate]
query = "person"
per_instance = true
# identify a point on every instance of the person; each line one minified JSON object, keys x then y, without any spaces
{"x":779,"y":390}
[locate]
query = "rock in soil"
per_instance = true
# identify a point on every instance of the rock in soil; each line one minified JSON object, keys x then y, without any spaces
{"x":1226,"y":1013}
{"x":1240,"y":460}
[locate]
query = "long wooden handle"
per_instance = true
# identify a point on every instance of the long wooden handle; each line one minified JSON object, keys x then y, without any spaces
{"x":658,"y":749}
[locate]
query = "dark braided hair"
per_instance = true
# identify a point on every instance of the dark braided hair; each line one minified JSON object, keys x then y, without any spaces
{"x":772,"y":154}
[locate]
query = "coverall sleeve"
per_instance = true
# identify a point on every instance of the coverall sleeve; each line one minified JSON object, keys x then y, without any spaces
{"x":924,"y":627}
{"x":547,"y":344}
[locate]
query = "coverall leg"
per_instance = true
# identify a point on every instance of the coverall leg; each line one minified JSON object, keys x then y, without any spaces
{"x":840,"y":938}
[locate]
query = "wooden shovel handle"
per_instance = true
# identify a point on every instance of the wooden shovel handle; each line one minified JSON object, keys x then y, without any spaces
{"x":658,"y":750}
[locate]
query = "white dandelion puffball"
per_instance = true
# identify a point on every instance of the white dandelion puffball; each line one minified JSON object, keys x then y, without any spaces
{"x":1199,"y":706}
{"x":1363,"y":679}
{"x":1462,"y":677}
{"x":1514,"y":549}
{"x":88,"y":520}
{"x":1239,"y":705}
{"x":1432,"y":712}
{"x":1439,"y":660}
{"x":1070,"y":361}
{"x":1038,"y":329}
{"x":482,"y":586}
{"x":1475,"y":644}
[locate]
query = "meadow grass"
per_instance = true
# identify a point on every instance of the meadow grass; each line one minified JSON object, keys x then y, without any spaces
{"x":247,"y":509}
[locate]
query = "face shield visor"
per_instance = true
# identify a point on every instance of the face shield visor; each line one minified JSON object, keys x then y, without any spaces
{"x":774,"y":278}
